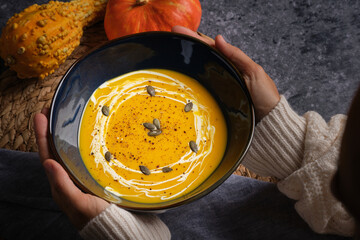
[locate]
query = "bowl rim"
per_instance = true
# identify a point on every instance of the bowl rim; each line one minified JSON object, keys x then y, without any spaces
{"x":187,"y":200}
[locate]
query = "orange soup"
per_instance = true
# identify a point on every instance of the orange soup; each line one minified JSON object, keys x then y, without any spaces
{"x":152,"y":135}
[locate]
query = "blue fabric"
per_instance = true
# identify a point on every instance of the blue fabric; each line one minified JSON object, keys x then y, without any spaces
{"x":27,"y":210}
{"x":241,"y":208}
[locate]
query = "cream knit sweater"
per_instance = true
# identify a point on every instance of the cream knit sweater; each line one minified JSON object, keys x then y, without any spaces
{"x":301,"y":151}
{"x":116,"y":223}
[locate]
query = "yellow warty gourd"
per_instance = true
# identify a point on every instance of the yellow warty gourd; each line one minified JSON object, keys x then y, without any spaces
{"x":36,"y":41}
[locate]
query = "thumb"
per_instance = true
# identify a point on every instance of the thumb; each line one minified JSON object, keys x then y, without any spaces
{"x":62,"y":187}
{"x":236,"y":56}
{"x":78,"y":206}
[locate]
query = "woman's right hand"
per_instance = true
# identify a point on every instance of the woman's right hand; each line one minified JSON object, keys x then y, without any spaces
{"x":262,"y":88}
{"x":78,"y":206}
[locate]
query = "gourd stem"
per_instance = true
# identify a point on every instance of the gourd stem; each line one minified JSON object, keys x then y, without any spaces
{"x":141,"y":2}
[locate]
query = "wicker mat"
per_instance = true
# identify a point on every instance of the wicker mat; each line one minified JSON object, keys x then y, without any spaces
{"x":21,"y":99}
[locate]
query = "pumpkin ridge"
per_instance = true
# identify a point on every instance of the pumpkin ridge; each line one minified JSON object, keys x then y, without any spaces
{"x":164,"y":23}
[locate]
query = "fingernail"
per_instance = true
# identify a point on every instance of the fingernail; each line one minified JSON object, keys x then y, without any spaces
{"x":223,"y":38}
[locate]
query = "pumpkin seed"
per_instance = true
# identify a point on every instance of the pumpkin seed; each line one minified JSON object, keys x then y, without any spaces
{"x":105,"y":110}
{"x":144,"y":170}
{"x":193,"y":146}
{"x":150,"y":90}
{"x":150,"y":126}
{"x":154,"y":133}
{"x":188,"y":107}
{"x":166,"y":169}
{"x":21,"y":50}
{"x":156,"y":122}
{"x":108,"y":156}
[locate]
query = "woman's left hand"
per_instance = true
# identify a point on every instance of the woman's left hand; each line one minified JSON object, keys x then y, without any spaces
{"x":262,"y":88}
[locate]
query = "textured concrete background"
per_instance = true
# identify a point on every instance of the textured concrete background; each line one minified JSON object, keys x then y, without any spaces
{"x":311,"y":49}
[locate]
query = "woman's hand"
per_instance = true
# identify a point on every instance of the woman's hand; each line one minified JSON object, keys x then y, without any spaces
{"x":78,"y":206}
{"x":263,"y":91}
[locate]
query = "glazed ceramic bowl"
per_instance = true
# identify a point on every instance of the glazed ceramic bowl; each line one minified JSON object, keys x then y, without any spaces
{"x":163,"y":50}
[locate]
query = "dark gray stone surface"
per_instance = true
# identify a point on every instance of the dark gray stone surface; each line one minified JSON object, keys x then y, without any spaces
{"x":311,"y":49}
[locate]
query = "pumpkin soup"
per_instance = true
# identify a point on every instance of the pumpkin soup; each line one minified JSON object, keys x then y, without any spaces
{"x":152,"y":135}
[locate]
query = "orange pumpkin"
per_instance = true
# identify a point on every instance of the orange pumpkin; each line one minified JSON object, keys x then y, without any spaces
{"x":125,"y":17}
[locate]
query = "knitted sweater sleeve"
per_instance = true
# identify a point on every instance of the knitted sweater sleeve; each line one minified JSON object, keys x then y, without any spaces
{"x":302,"y":151}
{"x":116,"y":223}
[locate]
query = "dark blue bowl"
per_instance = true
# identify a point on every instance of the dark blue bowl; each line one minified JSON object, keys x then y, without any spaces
{"x":163,"y":50}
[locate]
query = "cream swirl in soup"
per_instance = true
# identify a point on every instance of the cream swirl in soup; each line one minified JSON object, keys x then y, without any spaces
{"x":152,"y":135}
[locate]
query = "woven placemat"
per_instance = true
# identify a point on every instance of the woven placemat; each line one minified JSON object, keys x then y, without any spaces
{"x":21,"y":99}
